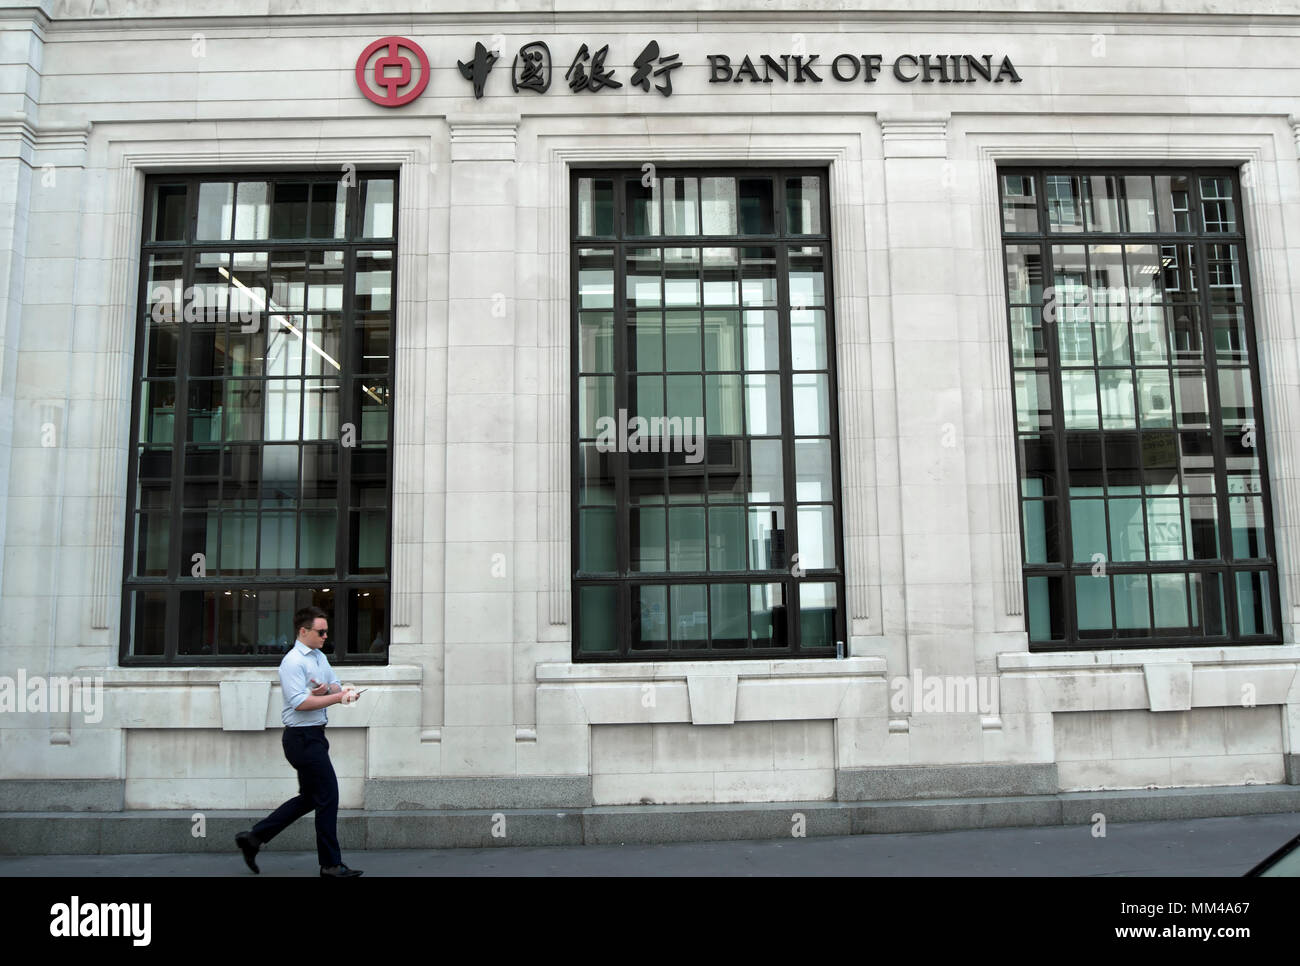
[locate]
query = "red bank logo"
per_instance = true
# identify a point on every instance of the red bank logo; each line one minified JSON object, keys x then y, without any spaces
{"x":391,"y":71}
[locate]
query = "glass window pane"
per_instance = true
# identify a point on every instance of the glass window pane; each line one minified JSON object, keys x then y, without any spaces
{"x":1132,"y":603}
{"x":649,"y":617}
{"x":808,"y":346}
{"x":728,"y":615}
{"x":721,"y":276}
{"x":682,"y":276}
{"x":681,"y":206}
{"x":646,"y":346}
{"x":688,"y":609}
{"x":727,"y":538}
{"x":812,"y":406}
{"x":761,"y":340}
{"x":685,"y":397}
{"x":1169,"y":601}
{"x":649,"y":539}
{"x":289,"y":209}
{"x":645,"y":397}
{"x":1208,"y":603}
{"x":328,"y":210}
{"x":812,"y":470}
{"x":1246,"y":511}
{"x":1236,"y":399}
{"x":762,"y":405}
{"x":724,"y":414}
{"x":1217,"y":204}
{"x":1042,"y":537}
{"x":767,"y":471}
{"x":595,"y":206}
{"x":718,"y":203}
{"x":1155,"y":398}
{"x":252,"y":211}
{"x":158,"y":411}
{"x":1139,"y":203}
{"x":803,"y":205}
{"x":595,"y":400}
{"x":1019,"y":203}
{"x":167,"y":218}
{"x":1103,"y":203}
{"x":1027,"y":345}
{"x":317,"y":541}
{"x":1045,"y":603}
{"x":374,"y":281}
{"x":1079,"y":395}
{"x":1092,"y":605}
{"x":816,"y":537}
{"x":646,"y":478}
{"x":755,"y":206}
{"x":153,"y":543}
{"x":818,"y":612}
{"x":644,"y":281}
{"x":767,"y":538}
{"x":768,"y":615}
{"x":807,"y":279}
{"x":1165,"y":529}
{"x":325,"y":281}
{"x":377,"y":208}
{"x":1223,"y":273}
{"x":1117,"y":399}
{"x":1230,"y":341}
{"x":687,"y":546}
{"x":596,"y":341}
{"x":596,"y":540}
{"x":1088,"y":530}
{"x":722,"y":340}
{"x":1065,"y":198}
{"x":758,"y":277}
{"x":1034,"y":401}
{"x":642,"y":207}
{"x":596,"y":279}
{"x":215,"y":210}
{"x":1173,"y":199}
{"x":1037,"y":466}
{"x":1255,"y":602}
{"x":1025,"y":274}
{"x":597,"y":619}
{"x":682,"y":339}
{"x":595,"y":474}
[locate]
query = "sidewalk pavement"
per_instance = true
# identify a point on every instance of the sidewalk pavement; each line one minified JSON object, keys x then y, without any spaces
{"x":1196,"y":847}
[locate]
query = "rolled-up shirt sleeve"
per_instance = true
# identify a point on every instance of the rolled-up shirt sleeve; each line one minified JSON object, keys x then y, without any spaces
{"x":294,"y":684}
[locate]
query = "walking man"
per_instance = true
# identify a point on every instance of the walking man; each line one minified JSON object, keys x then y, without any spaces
{"x":309,"y":686}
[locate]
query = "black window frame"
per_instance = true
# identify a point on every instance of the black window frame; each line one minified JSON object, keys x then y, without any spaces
{"x":309,"y":588}
{"x":783,"y":241}
{"x":1225,"y":565}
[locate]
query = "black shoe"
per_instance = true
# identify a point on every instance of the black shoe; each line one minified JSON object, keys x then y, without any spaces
{"x":338,"y":872}
{"x":249,"y":846}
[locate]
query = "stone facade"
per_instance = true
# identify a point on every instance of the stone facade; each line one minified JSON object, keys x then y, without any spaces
{"x":480,"y":691}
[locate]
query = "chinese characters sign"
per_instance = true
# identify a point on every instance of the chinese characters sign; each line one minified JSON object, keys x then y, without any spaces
{"x":391,"y":78}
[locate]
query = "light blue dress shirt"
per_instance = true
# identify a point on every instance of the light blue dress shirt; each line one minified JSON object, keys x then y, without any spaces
{"x":300,"y":666}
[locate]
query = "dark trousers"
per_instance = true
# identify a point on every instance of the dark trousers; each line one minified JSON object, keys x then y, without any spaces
{"x":318,"y":788}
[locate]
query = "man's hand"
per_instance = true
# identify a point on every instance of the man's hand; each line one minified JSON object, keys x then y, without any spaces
{"x":321,"y":689}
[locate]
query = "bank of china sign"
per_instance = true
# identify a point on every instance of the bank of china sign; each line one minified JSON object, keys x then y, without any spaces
{"x":394,"y":71}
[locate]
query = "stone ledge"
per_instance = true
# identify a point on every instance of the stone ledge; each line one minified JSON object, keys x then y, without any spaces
{"x":541,"y":791}
{"x":896,"y":783}
{"x":62,"y":794}
{"x":50,"y":833}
